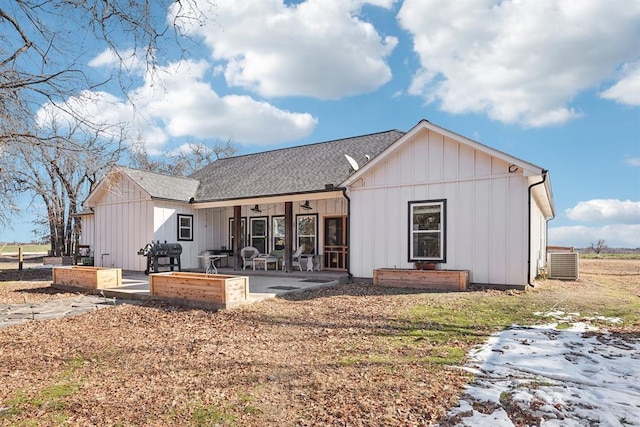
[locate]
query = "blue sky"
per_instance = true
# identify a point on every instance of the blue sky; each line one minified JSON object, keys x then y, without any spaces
{"x":553,"y":82}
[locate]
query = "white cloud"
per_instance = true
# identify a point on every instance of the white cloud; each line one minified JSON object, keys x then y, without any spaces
{"x":519,"y":61}
{"x":580,"y":236}
{"x":188,"y":106}
{"x":633,"y":161}
{"x":101,"y":112}
{"x":318,"y":48}
{"x":606,"y":210}
{"x":627,"y":89}
{"x":175,"y":102}
{"x":126,"y":59}
{"x":620,"y":227}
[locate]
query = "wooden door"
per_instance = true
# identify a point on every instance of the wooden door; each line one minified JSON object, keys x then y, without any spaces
{"x":335,"y":243}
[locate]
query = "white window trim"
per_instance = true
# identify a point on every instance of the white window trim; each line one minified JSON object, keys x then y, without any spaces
{"x":315,"y":231}
{"x":182,"y":228}
{"x":442,"y":203}
{"x":274,"y":230}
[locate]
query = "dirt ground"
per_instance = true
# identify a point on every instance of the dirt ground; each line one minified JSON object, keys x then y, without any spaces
{"x":620,"y":267}
{"x":323,"y":357}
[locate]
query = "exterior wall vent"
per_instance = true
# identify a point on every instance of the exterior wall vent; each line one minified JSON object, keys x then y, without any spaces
{"x":563,"y":265}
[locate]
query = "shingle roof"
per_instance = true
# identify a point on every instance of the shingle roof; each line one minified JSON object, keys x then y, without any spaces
{"x":160,"y":186}
{"x":301,"y":169}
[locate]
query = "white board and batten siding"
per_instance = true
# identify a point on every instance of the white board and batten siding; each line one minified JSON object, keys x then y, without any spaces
{"x":123,"y":223}
{"x":87,"y":237}
{"x":165,"y":228}
{"x":486,"y":209}
{"x":126,"y":218}
{"x":538,"y":240}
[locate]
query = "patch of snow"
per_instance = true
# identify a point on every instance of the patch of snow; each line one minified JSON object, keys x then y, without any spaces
{"x":568,"y":317}
{"x":555,"y":377}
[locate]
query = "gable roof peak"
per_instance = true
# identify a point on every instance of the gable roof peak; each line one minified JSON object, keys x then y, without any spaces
{"x":162,"y":186}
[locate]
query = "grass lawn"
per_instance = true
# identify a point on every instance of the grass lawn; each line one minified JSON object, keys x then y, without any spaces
{"x":27,"y":249}
{"x":349,"y":355}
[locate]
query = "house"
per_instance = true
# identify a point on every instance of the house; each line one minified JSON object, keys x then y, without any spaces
{"x":384,"y":200}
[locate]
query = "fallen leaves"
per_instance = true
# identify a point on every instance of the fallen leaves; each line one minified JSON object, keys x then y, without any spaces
{"x":322,"y":357}
{"x":333,"y":356}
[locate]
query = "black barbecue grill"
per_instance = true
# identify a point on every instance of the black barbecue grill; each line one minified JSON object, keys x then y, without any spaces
{"x":156,"y":250}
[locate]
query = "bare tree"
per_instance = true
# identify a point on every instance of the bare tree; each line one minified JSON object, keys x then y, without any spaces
{"x":598,"y":246}
{"x":45,"y":46}
{"x":7,"y":188}
{"x":61,"y":173}
{"x":182,"y":162}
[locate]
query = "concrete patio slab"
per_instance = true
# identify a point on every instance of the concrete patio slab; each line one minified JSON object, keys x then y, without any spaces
{"x":135,"y":286}
{"x":261,"y":286}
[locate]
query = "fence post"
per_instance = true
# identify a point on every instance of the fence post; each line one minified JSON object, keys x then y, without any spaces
{"x":20,"y":257}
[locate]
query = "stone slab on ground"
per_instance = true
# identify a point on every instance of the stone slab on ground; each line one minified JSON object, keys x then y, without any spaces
{"x":15,"y":314}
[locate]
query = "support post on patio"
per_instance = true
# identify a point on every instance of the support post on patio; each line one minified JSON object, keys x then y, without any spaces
{"x":288,"y":236}
{"x":237,"y":237}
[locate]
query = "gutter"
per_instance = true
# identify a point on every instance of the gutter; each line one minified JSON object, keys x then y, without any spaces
{"x":529,"y":192}
{"x":348,"y":233}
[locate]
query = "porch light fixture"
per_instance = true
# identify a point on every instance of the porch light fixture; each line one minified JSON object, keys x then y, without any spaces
{"x":306,"y":206}
{"x":256,"y":209}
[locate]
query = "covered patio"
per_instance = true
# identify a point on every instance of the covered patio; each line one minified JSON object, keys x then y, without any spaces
{"x":262,"y":284}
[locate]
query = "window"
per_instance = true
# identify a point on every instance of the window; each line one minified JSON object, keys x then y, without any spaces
{"x":277,"y":242}
{"x":258,"y":233}
{"x":306,"y":231}
{"x":185,"y":227}
{"x":427,"y":230}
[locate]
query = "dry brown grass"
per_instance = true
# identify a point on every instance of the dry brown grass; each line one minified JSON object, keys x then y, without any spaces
{"x":350,"y":355}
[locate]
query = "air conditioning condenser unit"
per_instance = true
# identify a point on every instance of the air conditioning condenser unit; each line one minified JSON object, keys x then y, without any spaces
{"x":563,"y":265}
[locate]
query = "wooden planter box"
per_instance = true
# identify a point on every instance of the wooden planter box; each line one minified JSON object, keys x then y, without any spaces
{"x":215,"y":291}
{"x":57,"y":260}
{"x":87,"y":277}
{"x":445,"y":280}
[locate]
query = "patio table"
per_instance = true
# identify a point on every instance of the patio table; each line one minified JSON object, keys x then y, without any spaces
{"x":265,"y":260}
{"x":209,"y":262}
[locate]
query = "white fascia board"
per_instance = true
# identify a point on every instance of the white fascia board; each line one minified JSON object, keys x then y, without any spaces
{"x":89,"y":201}
{"x":323,"y":195}
{"x":83,"y":213}
{"x":543,"y":195}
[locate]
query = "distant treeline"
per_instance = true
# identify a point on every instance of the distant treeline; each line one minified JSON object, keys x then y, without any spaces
{"x":611,"y":251}
{"x":32,"y":243}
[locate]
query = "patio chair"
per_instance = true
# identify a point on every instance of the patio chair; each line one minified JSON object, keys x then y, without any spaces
{"x":295,"y":258}
{"x":248,"y":253}
{"x":279,"y":254}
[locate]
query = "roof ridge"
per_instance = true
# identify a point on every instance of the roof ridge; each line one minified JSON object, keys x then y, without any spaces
{"x":311,"y":144}
{"x":164,"y":175}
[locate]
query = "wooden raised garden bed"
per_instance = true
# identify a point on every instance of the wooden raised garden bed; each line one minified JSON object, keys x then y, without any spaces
{"x":87,"y":277}
{"x":445,"y":280}
{"x":215,"y":291}
{"x":57,"y":260}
